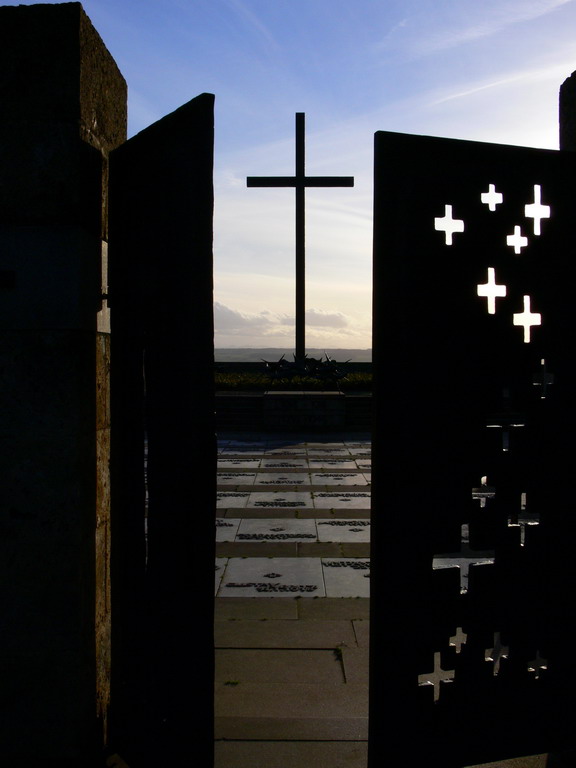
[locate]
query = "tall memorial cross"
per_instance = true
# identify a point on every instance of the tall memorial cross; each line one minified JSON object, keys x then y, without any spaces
{"x":300,"y":181}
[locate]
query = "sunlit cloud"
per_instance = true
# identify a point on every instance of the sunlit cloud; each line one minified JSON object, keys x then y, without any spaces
{"x":266,"y":322}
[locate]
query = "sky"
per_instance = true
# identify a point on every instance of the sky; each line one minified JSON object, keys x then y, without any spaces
{"x":485,"y":70}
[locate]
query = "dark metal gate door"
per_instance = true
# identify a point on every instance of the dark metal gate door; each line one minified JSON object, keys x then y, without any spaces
{"x":473,"y":619}
{"x":163,"y":393}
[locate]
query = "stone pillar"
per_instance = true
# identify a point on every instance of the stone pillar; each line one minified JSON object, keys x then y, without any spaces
{"x":63,"y":109}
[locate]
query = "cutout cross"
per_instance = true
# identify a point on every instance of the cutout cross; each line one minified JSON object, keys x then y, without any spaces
{"x":436,"y":677}
{"x":517,"y":240}
{"x":497,"y":653}
{"x":491,"y":198}
{"x":448,"y":225}
{"x":484,"y":493}
{"x":523,"y":519}
{"x":536,"y":210}
{"x":537,"y":664}
{"x":506,"y":420}
{"x":463,"y":559}
{"x":491,"y":291}
{"x":543,"y":379}
{"x":459,"y":639}
{"x":527,"y":319}
{"x":300,"y":181}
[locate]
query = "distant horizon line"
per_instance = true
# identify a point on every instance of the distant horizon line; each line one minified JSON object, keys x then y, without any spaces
{"x":292,"y":349}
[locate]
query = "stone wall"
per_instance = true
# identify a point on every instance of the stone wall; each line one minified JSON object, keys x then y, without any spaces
{"x":64,"y":109}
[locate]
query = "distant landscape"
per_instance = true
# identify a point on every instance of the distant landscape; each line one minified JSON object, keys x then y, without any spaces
{"x":272,"y":354}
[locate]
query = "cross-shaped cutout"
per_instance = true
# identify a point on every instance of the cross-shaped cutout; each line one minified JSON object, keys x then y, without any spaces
{"x":448,"y":225}
{"x":537,"y":665}
{"x":527,"y":319}
{"x":463,"y":559}
{"x":458,"y":640}
{"x":543,"y":379}
{"x":523,"y":519}
{"x":491,"y":198}
{"x":536,"y":210}
{"x":484,"y":493}
{"x":517,"y":240}
{"x":436,"y":677}
{"x":491,"y":291}
{"x":506,"y":420}
{"x":497,"y":653}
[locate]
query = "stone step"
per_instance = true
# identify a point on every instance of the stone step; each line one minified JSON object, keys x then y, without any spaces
{"x":291,"y":754}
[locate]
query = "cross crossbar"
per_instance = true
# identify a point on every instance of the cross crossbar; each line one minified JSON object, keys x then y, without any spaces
{"x":300,"y":181}
{"x":296,"y":181}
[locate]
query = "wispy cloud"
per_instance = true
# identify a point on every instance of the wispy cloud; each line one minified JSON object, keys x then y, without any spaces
{"x":253,"y":21}
{"x":450,"y":25}
{"x":555,"y":72}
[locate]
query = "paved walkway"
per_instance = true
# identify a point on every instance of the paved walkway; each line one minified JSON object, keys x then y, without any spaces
{"x":292,"y":602}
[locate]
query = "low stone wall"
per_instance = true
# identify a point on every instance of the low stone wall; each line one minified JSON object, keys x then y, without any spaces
{"x":286,"y":411}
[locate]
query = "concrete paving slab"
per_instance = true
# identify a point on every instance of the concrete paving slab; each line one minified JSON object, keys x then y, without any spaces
{"x":297,"y":728}
{"x":333,"y":464}
{"x":281,"y":577}
{"x":337,"y":500}
{"x":330,"y":633}
{"x":283,"y":478}
{"x":343,"y":530}
{"x":283,"y":464}
{"x":235,"y":478}
{"x":343,"y":513}
{"x":231,"y":499}
{"x":365,"y":443}
{"x":356,"y":663}
{"x":362,"y":632}
{"x":290,"y":754}
{"x":226,"y":528}
{"x":278,"y":666}
{"x":330,"y":453}
{"x":219,"y":569}
{"x":262,"y":608}
{"x":271,"y":529}
{"x":265,"y":512}
{"x":299,"y":710}
{"x":338,"y":478}
{"x":346,"y":577}
{"x":280,"y":499}
{"x":241,"y":463}
{"x":334,"y":608}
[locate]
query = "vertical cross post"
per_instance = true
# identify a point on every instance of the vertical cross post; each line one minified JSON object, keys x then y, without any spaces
{"x":300,"y":181}
{"x":300,"y":240}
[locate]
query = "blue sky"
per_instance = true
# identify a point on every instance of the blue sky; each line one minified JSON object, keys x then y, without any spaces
{"x":487,"y":70}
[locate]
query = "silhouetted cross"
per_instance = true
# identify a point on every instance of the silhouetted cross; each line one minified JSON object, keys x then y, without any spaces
{"x":300,"y":181}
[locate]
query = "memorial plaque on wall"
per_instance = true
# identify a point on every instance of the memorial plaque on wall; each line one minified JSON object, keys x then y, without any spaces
{"x":473,"y":520}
